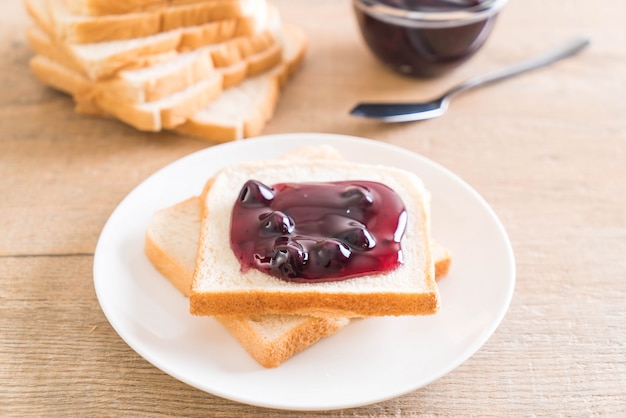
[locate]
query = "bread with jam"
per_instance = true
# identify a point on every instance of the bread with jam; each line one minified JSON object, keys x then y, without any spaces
{"x":171,"y":244}
{"x":222,"y":286}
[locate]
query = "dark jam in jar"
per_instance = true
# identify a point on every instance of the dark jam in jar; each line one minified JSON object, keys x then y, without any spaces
{"x":315,"y":232}
{"x":426,"y":49}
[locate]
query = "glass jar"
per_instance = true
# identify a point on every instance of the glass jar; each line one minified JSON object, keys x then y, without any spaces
{"x":425,"y":38}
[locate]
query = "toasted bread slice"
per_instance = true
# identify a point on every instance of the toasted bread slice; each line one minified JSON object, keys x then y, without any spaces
{"x":221,"y":288}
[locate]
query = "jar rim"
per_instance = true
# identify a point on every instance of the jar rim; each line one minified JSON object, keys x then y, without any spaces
{"x":429,"y":19}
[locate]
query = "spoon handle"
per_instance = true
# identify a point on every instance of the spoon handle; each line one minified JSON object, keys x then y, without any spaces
{"x":568,"y":49}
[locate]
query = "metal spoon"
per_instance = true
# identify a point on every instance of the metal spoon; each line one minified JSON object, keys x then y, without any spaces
{"x":409,"y":112}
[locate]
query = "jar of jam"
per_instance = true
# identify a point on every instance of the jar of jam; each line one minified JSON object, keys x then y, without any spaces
{"x":425,"y":38}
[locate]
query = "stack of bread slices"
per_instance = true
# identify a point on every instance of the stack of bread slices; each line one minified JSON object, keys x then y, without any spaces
{"x":189,"y":244}
{"x":207,"y":68}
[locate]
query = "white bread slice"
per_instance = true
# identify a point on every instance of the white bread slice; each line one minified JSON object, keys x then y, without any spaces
{"x":220,"y":288}
{"x":59,"y":77}
{"x":172,"y":237}
{"x":198,"y":13}
{"x":38,"y":11}
{"x":168,"y":112}
{"x":69,"y":27}
{"x":294,"y":49}
{"x":243,"y":111}
{"x":165,"y":113}
{"x":110,"y":7}
{"x":173,"y":72}
{"x":191,"y":37}
{"x":103,"y":60}
{"x":158,"y":81}
{"x":142,"y":97}
{"x":74,"y":28}
{"x":171,"y":244}
{"x":228,"y":40}
{"x":236,"y":113}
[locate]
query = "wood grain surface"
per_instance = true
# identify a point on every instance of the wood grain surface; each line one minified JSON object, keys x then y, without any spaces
{"x":547,"y":150}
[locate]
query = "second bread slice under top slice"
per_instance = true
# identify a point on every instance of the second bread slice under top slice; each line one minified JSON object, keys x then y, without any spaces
{"x":221,"y":287}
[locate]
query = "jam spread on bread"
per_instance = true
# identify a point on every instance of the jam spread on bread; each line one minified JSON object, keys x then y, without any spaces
{"x":315,"y":232}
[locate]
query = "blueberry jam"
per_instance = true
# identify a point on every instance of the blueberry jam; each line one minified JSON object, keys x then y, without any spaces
{"x":427,"y":51}
{"x":316,"y":232}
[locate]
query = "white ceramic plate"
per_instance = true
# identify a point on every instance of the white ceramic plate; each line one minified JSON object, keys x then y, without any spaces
{"x":370,"y":360}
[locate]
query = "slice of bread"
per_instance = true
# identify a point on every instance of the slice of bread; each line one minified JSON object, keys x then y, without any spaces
{"x":198,"y":13}
{"x":134,"y":86}
{"x":157,"y":81}
{"x":104,"y":60}
{"x":80,"y":29}
{"x":226,"y":41}
{"x":221,"y":288}
{"x":171,"y":244}
{"x":59,"y":77}
{"x":165,"y":113}
{"x":110,"y":7}
{"x":239,"y":112}
{"x":243,"y":112}
{"x":174,"y":72}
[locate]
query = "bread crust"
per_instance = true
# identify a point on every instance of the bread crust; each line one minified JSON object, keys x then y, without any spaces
{"x":308,"y":303}
{"x":151,"y":89}
{"x":168,"y":116}
{"x":272,"y":353}
{"x":253,"y":124}
{"x":84,"y":29}
{"x":168,"y":266}
{"x":110,"y":7}
{"x":57,"y":77}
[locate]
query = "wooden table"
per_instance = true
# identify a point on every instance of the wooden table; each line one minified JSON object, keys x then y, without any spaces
{"x":547,"y":150}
